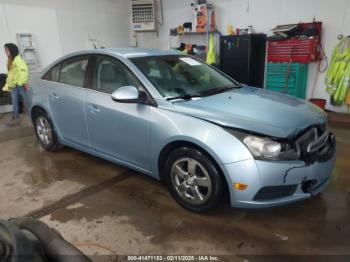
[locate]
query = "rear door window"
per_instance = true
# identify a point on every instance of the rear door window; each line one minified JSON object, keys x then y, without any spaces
{"x":53,"y":74}
{"x":70,"y":72}
{"x":73,"y":71}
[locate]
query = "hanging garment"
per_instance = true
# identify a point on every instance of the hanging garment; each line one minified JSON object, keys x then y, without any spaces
{"x":338,"y":75}
{"x":347,"y":99}
{"x":211,"y":51}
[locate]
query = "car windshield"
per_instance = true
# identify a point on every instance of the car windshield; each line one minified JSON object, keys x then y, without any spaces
{"x":184,"y":77}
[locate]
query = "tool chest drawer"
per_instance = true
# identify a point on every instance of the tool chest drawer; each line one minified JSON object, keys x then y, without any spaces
{"x":289,"y":78}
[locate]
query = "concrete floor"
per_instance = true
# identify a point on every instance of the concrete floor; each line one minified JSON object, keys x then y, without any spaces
{"x":138,"y":216}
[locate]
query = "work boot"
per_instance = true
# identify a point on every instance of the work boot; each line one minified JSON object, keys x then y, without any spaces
{"x":14,"y":122}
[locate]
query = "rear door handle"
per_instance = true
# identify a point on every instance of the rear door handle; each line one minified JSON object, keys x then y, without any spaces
{"x":94,"y":109}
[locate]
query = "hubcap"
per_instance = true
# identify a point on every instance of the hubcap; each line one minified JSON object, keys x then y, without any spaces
{"x":191,"y":180}
{"x":44,"y":130}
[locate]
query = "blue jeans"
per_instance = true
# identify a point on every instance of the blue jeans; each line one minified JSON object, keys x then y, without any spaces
{"x":16,"y":92}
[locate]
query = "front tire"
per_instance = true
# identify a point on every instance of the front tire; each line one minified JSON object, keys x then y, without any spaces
{"x":193,"y":179}
{"x":45,"y":132}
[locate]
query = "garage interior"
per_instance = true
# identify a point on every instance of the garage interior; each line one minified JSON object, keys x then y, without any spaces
{"x":110,"y":212}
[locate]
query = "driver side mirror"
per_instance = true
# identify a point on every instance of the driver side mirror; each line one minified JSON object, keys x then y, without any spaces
{"x":126,"y":94}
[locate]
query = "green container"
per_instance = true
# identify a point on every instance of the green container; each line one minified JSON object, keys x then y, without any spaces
{"x":289,"y":78}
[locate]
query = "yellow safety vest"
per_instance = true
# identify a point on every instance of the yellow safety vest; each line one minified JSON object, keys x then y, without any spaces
{"x":338,"y":75}
{"x":17,"y":75}
{"x":211,"y":51}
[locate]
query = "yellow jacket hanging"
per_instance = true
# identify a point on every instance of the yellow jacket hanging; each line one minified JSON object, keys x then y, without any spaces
{"x":211,"y":51}
{"x":338,"y":75}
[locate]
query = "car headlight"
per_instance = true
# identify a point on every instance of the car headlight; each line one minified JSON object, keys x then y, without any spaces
{"x":262,"y":147}
{"x":267,"y":148}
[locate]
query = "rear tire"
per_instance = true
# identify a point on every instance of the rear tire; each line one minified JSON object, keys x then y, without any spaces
{"x":45,"y":132}
{"x":193,"y":179}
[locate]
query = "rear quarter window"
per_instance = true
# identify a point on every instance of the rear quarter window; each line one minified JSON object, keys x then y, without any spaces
{"x":53,"y":74}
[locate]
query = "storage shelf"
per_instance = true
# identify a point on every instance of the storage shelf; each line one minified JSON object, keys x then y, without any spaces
{"x":196,"y":33}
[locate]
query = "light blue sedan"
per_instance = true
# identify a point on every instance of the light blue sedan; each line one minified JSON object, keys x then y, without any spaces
{"x":175,"y":118}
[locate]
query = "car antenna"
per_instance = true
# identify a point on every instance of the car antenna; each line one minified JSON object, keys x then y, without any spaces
{"x":93,"y":43}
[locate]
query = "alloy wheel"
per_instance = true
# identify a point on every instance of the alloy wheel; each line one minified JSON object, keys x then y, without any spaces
{"x":44,"y":130}
{"x":191,"y":181}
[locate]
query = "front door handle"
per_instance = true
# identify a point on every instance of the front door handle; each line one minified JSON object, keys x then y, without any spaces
{"x":94,"y":109}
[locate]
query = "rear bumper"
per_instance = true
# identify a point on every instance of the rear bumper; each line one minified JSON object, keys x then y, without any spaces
{"x":273,"y":183}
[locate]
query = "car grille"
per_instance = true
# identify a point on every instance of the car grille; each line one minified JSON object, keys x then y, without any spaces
{"x":273,"y":192}
{"x":316,"y":144}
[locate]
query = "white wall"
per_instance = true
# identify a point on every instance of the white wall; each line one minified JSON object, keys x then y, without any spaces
{"x":49,"y":46}
{"x":64,"y":26}
{"x":263,"y":15}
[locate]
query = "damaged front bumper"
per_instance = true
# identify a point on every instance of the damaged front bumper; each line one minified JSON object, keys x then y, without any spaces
{"x":273,"y":183}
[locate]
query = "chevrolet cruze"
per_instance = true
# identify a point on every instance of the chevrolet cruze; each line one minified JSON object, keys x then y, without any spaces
{"x":172,"y":117}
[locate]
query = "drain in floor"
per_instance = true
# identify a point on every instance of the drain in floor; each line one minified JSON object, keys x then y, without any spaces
{"x":73,"y":198}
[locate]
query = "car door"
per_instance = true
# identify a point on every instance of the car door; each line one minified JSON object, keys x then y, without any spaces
{"x":66,"y":94}
{"x":120,"y":130}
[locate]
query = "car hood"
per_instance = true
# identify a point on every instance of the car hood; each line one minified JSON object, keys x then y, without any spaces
{"x":256,"y":110}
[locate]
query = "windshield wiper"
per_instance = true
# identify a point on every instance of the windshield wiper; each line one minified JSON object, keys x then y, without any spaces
{"x":215,"y":91}
{"x":183,"y":97}
{"x":208,"y":92}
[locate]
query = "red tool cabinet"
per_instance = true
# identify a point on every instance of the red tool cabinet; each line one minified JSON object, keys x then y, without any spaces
{"x":297,"y":50}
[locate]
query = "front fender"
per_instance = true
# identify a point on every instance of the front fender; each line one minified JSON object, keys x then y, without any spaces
{"x":167,"y":127}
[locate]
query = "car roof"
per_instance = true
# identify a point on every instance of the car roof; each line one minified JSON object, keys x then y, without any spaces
{"x":130,"y":52}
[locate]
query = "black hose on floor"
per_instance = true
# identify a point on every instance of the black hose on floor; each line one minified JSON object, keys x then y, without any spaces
{"x":36,"y":242}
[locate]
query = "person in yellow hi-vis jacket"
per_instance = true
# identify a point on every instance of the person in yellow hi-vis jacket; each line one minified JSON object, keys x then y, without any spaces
{"x":17,"y":79}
